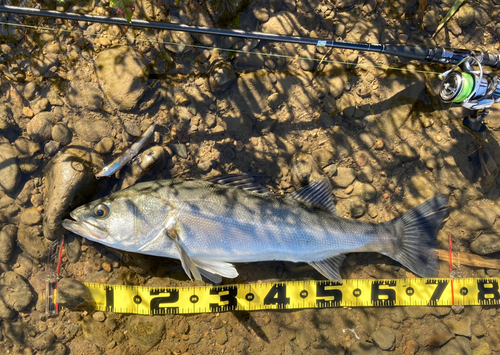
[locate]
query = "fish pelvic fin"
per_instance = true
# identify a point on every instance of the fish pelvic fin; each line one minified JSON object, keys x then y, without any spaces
{"x":329,"y":267}
{"x":187,"y":263}
{"x":417,"y":242}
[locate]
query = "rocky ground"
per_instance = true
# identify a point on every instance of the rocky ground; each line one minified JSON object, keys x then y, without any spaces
{"x":72,"y":102}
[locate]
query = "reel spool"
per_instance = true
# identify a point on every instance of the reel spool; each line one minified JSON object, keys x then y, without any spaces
{"x":475,"y":90}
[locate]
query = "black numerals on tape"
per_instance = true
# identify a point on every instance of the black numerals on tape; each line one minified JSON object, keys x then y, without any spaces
{"x":277,"y":296}
{"x":488,"y":292}
{"x":165,"y":296}
{"x":438,"y":292}
{"x":228,"y":300}
{"x":325,"y":290}
{"x":382,"y":295}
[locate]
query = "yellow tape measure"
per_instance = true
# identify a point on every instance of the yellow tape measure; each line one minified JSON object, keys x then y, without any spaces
{"x":295,"y":295}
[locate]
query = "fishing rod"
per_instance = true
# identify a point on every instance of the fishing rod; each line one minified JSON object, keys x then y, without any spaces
{"x":472,"y":88}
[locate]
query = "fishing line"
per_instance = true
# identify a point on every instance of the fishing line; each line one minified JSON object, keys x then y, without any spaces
{"x":384,"y":67}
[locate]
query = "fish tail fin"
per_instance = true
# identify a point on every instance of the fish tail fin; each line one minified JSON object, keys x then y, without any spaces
{"x":417,"y":240}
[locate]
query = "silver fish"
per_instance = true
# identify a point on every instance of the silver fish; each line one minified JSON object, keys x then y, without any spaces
{"x":210,"y":224}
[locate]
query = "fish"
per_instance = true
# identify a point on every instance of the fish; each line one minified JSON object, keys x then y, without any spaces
{"x":211,"y":224}
{"x":128,"y":155}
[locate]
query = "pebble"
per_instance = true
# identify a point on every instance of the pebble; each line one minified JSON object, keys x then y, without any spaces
{"x":86,"y":95}
{"x":304,"y":170}
{"x":465,"y":15}
{"x":24,"y":196}
{"x":28,"y":112}
{"x":479,"y":330}
{"x":436,"y":335}
{"x":31,"y":216}
{"x":330,"y":170}
{"x":366,"y":191}
{"x":273,"y":101}
{"x":406,"y":153}
{"x":43,"y":341}
{"x":356,"y":207}
{"x":431,"y":20}
{"x":221,"y":76}
{"x":29,"y":239}
{"x":365,"y":174}
{"x":74,"y":295}
{"x":29,"y":90}
{"x":123,"y":75}
{"x":15,"y":292}
{"x":307,"y":62}
{"x":482,"y":349}
{"x":221,"y":336}
{"x":7,"y":242}
{"x":61,"y":133}
{"x":91,"y":130}
{"x":261,"y":14}
{"x":99,"y":316}
{"x":5,"y":312}
{"x":229,"y":153}
{"x":344,"y":177}
{"x":39,"y":127}
{"x":73,"y":247}
{"x":283,"y":23}
{"x":459,"y":345}
{"x":360,"y":348}
{"x":6,"y":118}
{"x":461,"y":327}
{"x":105,"y":145}
{"x":367,"y":140}
{"x":205,"y":166}
{"x":41,"y":105}
{"x":146,"y":330}
{"x":57,"y":348}
{"x":481,"y":208}
{"x":51,"y":148}
{"x":132,"y":129}
{"x":383,"y":338}
{"x":179,"y":149}
{"x":485,"y":244}
{"x":10,"y":173}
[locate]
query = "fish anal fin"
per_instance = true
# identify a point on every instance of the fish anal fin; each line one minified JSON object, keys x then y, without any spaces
{"x":329,"y":267}
{"x":318,"y":193}
{"x":213,"y":270}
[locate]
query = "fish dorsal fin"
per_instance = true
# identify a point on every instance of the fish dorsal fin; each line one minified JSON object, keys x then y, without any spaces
{"x":247,"y":182}
{"x":318,"y":193}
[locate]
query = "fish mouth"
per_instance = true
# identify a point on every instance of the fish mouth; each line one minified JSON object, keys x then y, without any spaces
{"x":84,"y":228}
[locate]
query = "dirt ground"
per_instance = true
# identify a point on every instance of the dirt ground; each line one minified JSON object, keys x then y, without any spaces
{"x":76,"y":95}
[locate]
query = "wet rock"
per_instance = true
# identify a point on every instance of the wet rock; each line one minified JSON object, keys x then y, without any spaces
{"x":459,"y":345}
{"x":43,"y":341}
{"x":360,"y":348}
{"x":304,"y":170}
{"x":461,"y":327}
{"x":366,"y":191}
{"x":31,"y":216}
{"x":323,"y":157}
{"x":91,"y":130}
{"x":284,"y":23}
{"x":436,"y":335}
{"x":465,"y":16}
{"x":485,"y":244}
{"x":10,"y":173}
{"x":86,"y":95}
{"x":357,"y":207}
{"x":383,"y":338}
{"x":221,"y":76}
{"x":39,"y":127}
{"x":7,"y":242}
{"x":345,"y":177}
{"x":61,"y":133}
{"x":30,"y":240}
{"x":73,"y":246}
{"x":181,"y":39}
{"x":105,"y":145}
{"x":123,"y":75}
{"x":148,"y":331}
{"x":51,"y":147}
{"x":74,"y":295}
{"x":70,"y":182}
{"x":5,"y":312}
{"x":273,"y":101}
{"x":15,"y":291}
{"x":6,"y":118}
{"x":96,"y":332}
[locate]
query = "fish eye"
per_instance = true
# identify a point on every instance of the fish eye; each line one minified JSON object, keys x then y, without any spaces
{"x":101,"y":210}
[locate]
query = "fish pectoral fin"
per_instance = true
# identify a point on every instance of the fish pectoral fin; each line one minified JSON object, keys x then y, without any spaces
{"x":329,"y":267}
{"x":187,"y":263}
{"x":213,"y":270}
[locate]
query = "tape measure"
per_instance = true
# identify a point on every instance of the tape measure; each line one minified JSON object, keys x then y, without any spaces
{"x":296,"y":295}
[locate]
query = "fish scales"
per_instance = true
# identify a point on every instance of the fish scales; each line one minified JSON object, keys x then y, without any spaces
{"x":209,"y":225}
